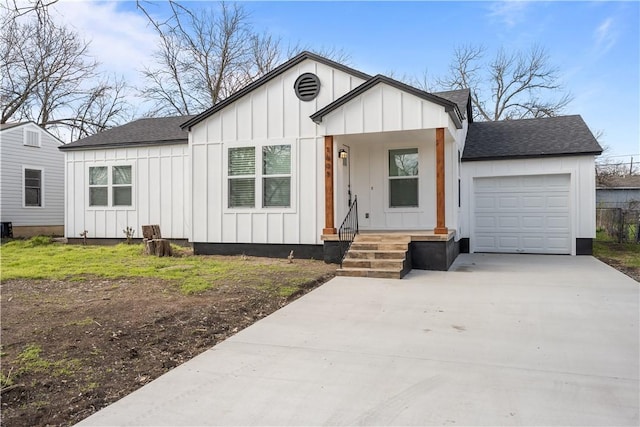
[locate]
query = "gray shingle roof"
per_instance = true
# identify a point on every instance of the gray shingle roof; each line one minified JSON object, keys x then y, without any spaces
{"x":461,"y":98}
{"x":550,"y":136}
{"x":154,"y":131}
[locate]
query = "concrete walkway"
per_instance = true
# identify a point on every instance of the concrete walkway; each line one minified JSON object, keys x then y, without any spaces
{"x":499,"y":340}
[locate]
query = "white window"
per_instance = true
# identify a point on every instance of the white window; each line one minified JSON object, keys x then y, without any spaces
{"x":110,"y":186}
{"x":99,"y":186}
{"x":121,"y":185}
{"x":403,"y":178}
{"x":276,"y":173}
{"x":31,"y":138}
{"x":32,"y":187}
{"x":242,"y":182}
{"x":271,"y":182}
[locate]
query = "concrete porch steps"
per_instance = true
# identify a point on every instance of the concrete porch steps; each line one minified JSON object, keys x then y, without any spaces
{"x":377,"y":255}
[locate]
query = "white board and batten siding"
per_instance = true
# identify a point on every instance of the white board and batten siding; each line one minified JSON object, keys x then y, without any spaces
{"x":40,"y":153}
{"x":529,"y":205}
{"x":384,"y":108}
{"x":160,"y":195}
{"x":269,"y":115}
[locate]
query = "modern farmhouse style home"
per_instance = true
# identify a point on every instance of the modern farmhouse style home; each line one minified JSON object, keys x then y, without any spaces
{"x":313,"y":151}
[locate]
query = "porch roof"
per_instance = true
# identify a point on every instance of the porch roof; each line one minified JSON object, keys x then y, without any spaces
{"x":449,"y":106}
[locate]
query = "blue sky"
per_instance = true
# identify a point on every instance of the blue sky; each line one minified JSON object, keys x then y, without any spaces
{"x":596,"y":45}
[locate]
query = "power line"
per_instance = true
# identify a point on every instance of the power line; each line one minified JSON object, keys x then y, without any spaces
{"x":622,"y":155}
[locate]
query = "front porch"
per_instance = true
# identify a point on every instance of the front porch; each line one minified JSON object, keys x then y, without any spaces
{"x":403,"y":202}
{"x":392,"y":254}
{"x":398,"y":154}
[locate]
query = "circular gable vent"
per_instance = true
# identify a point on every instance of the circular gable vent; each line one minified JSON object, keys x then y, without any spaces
{"x":307,"y":86}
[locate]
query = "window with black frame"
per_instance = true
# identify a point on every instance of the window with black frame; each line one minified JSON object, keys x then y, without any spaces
{"x":33,"y":187}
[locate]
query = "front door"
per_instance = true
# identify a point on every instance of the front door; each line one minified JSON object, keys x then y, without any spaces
{"x":360,"y":183}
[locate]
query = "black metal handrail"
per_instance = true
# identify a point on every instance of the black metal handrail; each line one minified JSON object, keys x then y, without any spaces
{"x":348,"y":230}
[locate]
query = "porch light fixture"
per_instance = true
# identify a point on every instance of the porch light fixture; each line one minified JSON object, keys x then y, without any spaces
{"x":342,"y":153}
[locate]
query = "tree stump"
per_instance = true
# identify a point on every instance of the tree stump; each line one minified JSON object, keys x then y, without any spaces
{"x":151,"y":232}
{"x":157,"y":247}
{"x":154,"y":244}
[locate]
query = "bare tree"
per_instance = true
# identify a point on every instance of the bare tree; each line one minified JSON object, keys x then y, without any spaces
{"x":38,"y":7}
{"x":265,"y":53}
{"x":204,"y":57}
{"x":47,"y":76}
{"x":330,"y":52}
{"x":511,"y":86}
{"x":423,"y":82}
{"x":610,"y":170}
{"x":99,"y":108}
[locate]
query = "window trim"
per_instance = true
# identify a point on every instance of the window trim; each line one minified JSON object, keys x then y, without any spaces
{"x":38,"y":134}
{"x":389,"y":178}
{"x":259,"y":176}
{"x":24,"y":185}
{"x":110,"y":186}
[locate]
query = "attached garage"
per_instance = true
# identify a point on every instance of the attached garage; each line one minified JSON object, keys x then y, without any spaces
{"x":528,"y":186}
{"x":522,"y":214}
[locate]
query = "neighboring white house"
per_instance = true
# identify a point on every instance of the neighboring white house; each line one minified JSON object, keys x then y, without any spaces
{"x":31,"y":180}
{"x":276,"y":166}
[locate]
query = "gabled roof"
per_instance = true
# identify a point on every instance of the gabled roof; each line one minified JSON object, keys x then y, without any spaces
{"x":449,"y":106}
{"x":550,"y":136}
{"x":7,"y":126}
{"x":142,"y":132}
{"x":269,"y":76}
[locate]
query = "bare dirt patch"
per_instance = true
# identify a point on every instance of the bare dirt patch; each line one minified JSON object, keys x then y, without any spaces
{"x":624,"y":257}
{"x":72,"y":347}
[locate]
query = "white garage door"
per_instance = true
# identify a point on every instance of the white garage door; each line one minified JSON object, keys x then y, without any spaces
{"x":522,"y":214}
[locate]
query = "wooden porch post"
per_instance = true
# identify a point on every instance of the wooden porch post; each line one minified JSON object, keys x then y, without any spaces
{"x":329,"y":226}
{"x":440,"y":206}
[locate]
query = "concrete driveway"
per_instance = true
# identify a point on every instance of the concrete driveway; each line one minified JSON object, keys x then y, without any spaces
{"x":498,"y":340}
